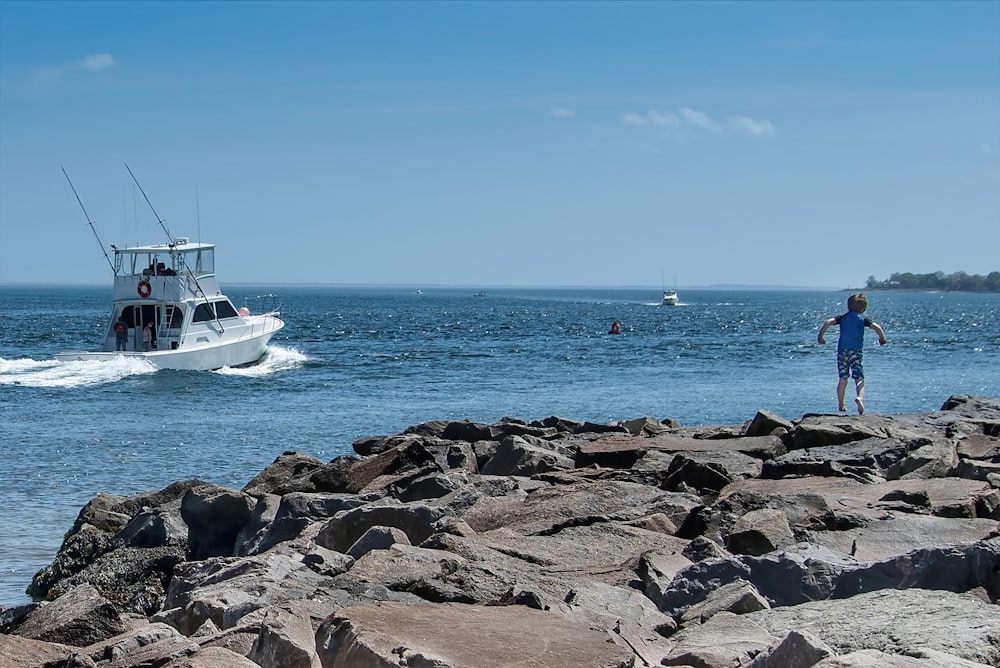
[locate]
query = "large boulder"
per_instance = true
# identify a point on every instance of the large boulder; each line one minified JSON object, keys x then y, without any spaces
{"x":78,"y":618}
{"x":391,"y":634}
{"x":215,"y":516}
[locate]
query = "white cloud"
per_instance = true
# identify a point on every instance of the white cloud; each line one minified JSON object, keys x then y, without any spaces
{"x":753,"y":127}
{"x":655,"y":118}
{"x":53,"y":74}
{"x":664,"y":119}
{"x":562,"y":112}
{"x":98,"y":62}
{"x":686,"y":121}
{"x":699,"y":119}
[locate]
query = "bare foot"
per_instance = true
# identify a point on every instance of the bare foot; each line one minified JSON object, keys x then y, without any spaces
{"x":861,"y":406}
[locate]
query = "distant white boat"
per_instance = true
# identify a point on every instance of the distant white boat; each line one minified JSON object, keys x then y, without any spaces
{"x":172,"y":287}
{"x":669,"y":298}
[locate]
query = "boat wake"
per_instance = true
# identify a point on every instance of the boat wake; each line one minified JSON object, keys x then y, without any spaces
{"x":28,"y":372}
{"x":275,"y":360}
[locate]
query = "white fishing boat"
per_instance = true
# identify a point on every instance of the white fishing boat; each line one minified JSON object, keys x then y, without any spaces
{"x":670,"y":298}
{"x":169,"y":310}
{"x":193,"y":325}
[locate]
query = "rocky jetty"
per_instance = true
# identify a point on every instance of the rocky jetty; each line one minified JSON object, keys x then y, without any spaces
{"x":822,"y":542}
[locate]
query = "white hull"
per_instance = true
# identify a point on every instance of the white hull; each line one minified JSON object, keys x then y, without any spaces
{"x":169,"y":311}
{"x":669,"y":298}
{"x":217,"y":356}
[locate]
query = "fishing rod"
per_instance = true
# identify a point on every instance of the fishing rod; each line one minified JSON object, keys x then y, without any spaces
{"x":158,"y":219}
{"x":89,"y":221}
{"x":173,"y":245}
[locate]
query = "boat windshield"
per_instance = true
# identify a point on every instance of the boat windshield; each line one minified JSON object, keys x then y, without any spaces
{"x":165,"y":261}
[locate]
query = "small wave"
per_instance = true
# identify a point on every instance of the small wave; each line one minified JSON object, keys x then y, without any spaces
{"x":275,"y":360}
{"x":53,"y":373}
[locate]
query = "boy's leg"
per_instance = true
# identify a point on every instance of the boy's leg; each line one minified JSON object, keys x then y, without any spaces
{"x":858,"y":371}
{"x":843,"y":372}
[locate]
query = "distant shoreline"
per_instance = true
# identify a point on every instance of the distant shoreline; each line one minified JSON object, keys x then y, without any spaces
{"x":923,"y":290}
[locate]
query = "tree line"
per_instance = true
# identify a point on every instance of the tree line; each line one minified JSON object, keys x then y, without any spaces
{"x":959,"y":281}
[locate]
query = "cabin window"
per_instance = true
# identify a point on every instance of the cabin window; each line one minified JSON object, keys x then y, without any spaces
{"x":225,"y":310}
{"x":204,"y":313}
{"x":205,"y":261}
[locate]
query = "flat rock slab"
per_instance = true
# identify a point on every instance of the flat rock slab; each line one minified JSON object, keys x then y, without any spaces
{"x":843,"y":495}
{"x":17,"y":652}
{"x":894,"y":534}
{"x":461,"y":636}
{"x":892,"y":621}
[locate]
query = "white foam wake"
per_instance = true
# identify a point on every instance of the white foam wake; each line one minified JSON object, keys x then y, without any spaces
{"x":53,"y":373}
{"x":275,"y":360}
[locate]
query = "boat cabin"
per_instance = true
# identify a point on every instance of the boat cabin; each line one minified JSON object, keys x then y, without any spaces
{"x":174,"y":286}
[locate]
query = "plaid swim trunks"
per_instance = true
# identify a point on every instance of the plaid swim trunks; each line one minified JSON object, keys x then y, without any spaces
{"x":849,"y":364}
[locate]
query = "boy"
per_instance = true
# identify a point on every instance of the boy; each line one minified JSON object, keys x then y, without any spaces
{"x":852,"y":335}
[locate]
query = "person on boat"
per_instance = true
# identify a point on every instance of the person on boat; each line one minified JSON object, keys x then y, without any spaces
{"x":121,"y":335}
{"x":849,"y":358}
{"x":616,"y":328}
{"x":147,"y":336}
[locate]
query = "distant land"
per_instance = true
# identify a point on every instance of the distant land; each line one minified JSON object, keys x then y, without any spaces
{"x":957,"y":282}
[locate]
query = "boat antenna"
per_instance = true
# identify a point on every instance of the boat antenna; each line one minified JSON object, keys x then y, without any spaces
{"x":197,"y":208}
{"x":158,"y":219}
{"x":89,"y":221}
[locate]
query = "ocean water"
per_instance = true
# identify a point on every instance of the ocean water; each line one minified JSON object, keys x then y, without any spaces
{"x":363,"y":361}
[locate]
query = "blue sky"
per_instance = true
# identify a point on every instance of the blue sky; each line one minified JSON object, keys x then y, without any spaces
{"x":505,"y":143}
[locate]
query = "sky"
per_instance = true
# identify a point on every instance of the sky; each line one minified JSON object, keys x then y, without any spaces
{"x":603,"y":144}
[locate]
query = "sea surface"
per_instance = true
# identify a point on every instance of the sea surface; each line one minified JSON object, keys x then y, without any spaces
{"x":353,"y":362}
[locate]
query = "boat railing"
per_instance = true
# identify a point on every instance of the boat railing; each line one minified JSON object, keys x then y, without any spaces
{"x":268,"y":304}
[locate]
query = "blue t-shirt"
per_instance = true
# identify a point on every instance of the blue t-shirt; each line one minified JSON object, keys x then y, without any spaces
{"x":852,"y":330}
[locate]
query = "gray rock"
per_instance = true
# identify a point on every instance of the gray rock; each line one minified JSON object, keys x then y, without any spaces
{"x":873,"y":658}
{"x":936,"y":459}
{"x":952,"y":568}
{"x":702,"y":548}
{"x":724,"y":640}
{"x":516,"y":456}
{"x":795,"y":650}
{"x":156,"y":527}
{"x":895,"y":621}
{"x":226,"y":590}
{"x":416,"y":520}
{"x":133,"y":579}
{"x":79,"y":618}
{"x":738,"y":597}
{"x":295,"y":511}
{"x":18,"y":652}
{"x":864,"y":460}
{"x":215,"y":516}
{"x":391,"y":634}
{"x":289,"y":472}
{"x":286,"y":640}
{"x":765,"y":422}
{"x":759,"y":532}
{"x":212,"y":657}
{"x":377,"y":538}
{"x":147,"y":645}
{"x":892,"y":533}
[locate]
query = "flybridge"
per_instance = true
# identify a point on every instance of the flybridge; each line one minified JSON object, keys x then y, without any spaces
{"x":168,"y":308}
{"x":170,"y":259}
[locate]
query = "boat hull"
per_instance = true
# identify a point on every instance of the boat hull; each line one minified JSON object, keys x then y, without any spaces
{"x":190,"y":358}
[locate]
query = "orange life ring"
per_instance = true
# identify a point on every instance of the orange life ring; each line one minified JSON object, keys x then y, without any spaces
{"x":144,"y":288}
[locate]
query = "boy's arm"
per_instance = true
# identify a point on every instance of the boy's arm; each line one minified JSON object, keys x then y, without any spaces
{"x":822,"y":330}
{"x":881,"y":334}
